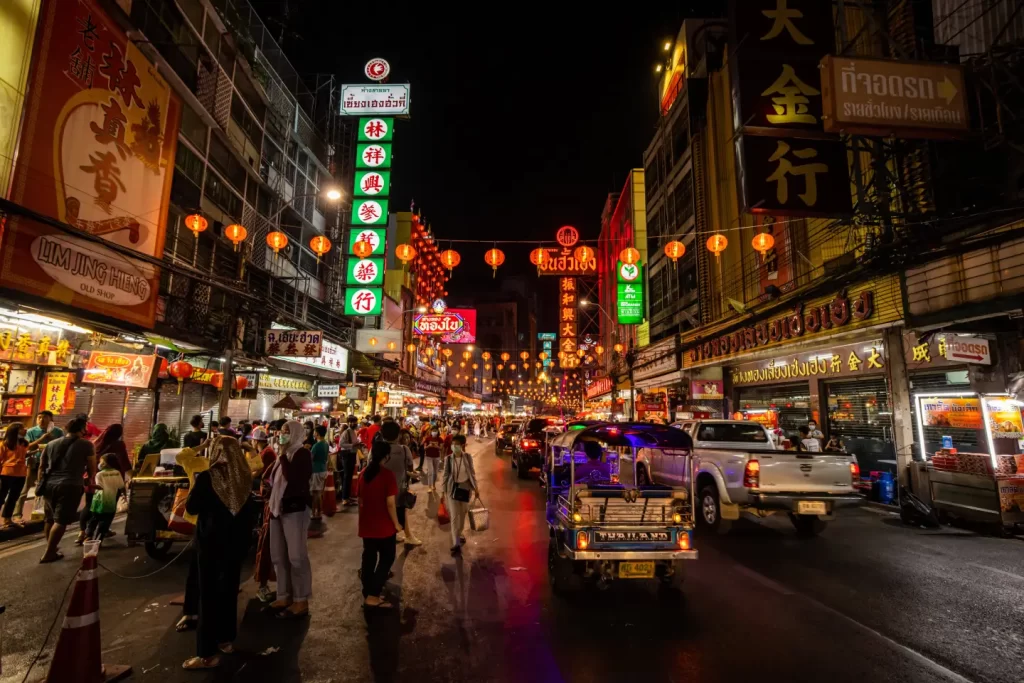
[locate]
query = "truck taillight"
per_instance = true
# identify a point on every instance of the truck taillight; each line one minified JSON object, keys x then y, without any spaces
{"x":752,"y":474}
{"x":855,"y":472}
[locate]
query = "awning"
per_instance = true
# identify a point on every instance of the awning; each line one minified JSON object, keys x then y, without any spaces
{"x":287,"y":403}
{"x":667,"y":379}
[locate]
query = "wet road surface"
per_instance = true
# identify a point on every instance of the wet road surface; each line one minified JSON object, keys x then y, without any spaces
{"x":871,"y":600}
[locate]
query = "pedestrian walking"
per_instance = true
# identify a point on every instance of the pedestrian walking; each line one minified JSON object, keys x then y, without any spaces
{"x":13,"y":471}
{"x":289,"y":523}
{"x":263,"y":571}
{"x":62,"y":467}
{"x":320,"y":453}
{"x":109,"y":483}
{"x":38,"y":437}
{"x":460,"y":488}
{"x":432,"y":450}
{"x":378,"y":525}
{"x":348,"y":445}
{"x":220,"y":501}
{"x":401,"y":465}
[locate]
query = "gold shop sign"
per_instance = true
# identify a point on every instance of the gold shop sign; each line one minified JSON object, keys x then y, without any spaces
{"x":869,"y":304}
{"x":840,"y":361}
{"x":290,"y":384}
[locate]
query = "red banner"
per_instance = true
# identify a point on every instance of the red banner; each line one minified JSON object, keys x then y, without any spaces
{"x":97,"y":153}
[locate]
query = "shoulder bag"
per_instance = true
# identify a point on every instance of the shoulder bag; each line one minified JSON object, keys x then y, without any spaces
{"x":406,"y":498}
{"x":458,"y":493}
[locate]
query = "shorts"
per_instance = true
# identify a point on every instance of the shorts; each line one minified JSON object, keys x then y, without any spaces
{"x":60,"y":506}
{"x":317,"y":482}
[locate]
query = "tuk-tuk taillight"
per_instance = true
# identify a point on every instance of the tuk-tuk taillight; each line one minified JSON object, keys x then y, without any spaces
{"x":582,"y":540}
{"x":752,"y":474}
{"x":684,"y":541}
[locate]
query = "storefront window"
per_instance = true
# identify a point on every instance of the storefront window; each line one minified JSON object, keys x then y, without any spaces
{"x":859,"y":414}
{"x":783,"y":406}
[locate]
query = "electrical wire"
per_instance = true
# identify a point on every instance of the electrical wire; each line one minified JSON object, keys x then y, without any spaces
{"x":154,"y":573}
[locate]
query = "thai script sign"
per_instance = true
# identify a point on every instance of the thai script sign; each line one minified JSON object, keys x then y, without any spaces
{"x":851,"y":359}
{"x":957,"y":413}
{"x":563,"y":262}
{"x":289,"y":384}
{"x":362,"y":100}
{"x":884,"y":97}
{"x":298,"y":343}
{"x":454,"y":325}
{"x":601,"y":385}
{"x":119,"y":369}
{"x":97,"y":153}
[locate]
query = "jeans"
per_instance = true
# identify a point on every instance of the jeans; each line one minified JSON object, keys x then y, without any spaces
{"x":30,"y":481}
{"x":348,"y":470}
{"x":10,"y":489}
{"x":291,"y":560}
{"x":431,"y":467}
{"x":378,"y":556}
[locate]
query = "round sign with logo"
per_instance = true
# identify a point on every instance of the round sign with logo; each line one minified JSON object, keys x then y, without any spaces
{"x":629,"y":271}
{"x":370,"y":237}
{"x":377,"y":69}
{"x":567,"y":236}
{"x":439,"y":306}
{"x":376,"y":129}
{"x":365,"y":272}
{"x":375,"y":155}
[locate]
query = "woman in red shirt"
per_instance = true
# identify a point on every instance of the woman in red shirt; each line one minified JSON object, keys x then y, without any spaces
{"x":378,"y":524}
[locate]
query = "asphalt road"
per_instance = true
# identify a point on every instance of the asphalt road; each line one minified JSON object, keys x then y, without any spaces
{"x":871,"y":600}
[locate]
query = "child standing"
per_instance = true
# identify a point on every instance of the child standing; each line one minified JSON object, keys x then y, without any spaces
{"x":109,"y":483}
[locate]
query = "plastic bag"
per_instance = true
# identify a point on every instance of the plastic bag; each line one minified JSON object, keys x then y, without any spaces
{"x":178,"y":521}
{"x":442,"y":514}
{"x":479,"y":519}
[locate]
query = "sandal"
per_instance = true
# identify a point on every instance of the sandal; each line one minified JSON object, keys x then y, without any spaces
{"x":201,"y":663}
{"x":227,"y":648}
{"x":287,"y":614}
{"x":55,"y":558}
{"x":383,"y":604}
{"x":187,"y":622}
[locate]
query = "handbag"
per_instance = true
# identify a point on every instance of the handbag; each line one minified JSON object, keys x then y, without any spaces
{"x":479,"y":519}
{"x":459,"y":494}
{"x":407,"y":498}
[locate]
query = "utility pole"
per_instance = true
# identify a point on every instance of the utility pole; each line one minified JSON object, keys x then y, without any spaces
{"x":630,"y":362}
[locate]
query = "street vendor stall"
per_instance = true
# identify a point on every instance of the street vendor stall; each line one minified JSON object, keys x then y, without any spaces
{"x":984,"y":486}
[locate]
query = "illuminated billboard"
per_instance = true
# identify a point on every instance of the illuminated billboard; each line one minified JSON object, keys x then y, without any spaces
{"x":452,"y":325}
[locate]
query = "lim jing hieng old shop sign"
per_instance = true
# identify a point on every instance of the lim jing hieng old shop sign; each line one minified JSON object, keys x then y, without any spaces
{"x":850,"y":309}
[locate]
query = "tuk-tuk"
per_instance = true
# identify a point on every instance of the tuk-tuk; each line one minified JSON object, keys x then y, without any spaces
{"x":603,"y":526}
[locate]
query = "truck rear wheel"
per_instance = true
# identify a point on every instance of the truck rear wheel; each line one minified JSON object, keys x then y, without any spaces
{"x":807,"y":525}
{"x":711,"y":511}
{"x":560,"y":571}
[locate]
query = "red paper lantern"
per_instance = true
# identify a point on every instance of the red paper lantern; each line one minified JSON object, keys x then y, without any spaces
{"x":583,"y":254}
{"x":539,"y":257}
{"x":717,"y":243}
{"x":180,"y":370}
{"x":405,"y":252}
{"x":629,"y":255}
{"x":763,"y":242}
{"x":236,"y":233}
{"x":362,"y":249}
{"x":196,"y":224}
{"x":277,"y":240}
{"x":450,"y":258}
{"x":239,"y":382}
{"x":494,"y":258}
{"x":675,"y":250}
{"x":320,"y":245}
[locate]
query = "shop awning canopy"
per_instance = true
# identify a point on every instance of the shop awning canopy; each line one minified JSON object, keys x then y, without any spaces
{"x":287,"y":403}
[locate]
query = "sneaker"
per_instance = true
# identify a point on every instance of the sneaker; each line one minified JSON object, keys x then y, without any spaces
{"x":266,"y":595}
{"x":412,"y":540}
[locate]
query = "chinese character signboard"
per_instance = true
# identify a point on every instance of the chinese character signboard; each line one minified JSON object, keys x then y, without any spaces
{"x":568,"y":329}
{"x":369,"y":212}
{"x":372,"y":183}
{"x":287,"y":384}
{"x":363,"y":300}
{"x":365,"y":272}
{"x":882,"y":98}
{"x":834,"y":361}
{"x":453,"y":325}
{"x":362,"y":100}
{"x":333,"y":357}
{"x":97,"y":152}
{"x":58,"y":395}
{"x":374,"y":237}
{"x":793,"y":177}
{"x":296,"y":343}
{"x":629,"y":293}
{"x":375,"y":129}
{"x":119,"y":369}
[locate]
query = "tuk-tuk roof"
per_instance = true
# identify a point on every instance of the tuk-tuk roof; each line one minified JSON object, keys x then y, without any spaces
{"x":635,"y":435}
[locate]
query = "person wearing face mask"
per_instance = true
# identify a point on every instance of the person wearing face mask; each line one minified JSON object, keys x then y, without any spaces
{"x":433,"y":445}
{"x":812,"y":429}
{"x":348,"y":446}
{"x":460,"y":489}
{"x":290,"y":502}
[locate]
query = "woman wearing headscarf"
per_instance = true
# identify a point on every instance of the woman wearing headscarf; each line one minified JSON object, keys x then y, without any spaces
{"x":220,"y":501}
{"x":290,"y":502}
{"x":159,"y":439}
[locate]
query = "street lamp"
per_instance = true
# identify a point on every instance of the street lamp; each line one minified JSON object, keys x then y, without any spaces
{"x":333,"y":194}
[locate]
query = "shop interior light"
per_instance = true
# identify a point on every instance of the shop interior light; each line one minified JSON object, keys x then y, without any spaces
{"x":41,"y":320}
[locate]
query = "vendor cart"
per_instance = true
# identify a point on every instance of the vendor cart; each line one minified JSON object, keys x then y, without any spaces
{"x":151,"y":508}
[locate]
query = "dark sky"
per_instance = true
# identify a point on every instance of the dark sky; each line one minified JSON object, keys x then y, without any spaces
{"x":522,"y":120}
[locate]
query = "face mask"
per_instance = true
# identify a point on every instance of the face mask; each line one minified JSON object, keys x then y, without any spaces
{"x":812,"y":427}
{"x":284,"y":439}
{"x":435,"y":433}
{"x":457,"y":450}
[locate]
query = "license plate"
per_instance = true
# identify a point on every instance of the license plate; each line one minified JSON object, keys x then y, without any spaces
{"x":632,"y":537}
{"x":636,"y":570}
{"x":811,"y":507}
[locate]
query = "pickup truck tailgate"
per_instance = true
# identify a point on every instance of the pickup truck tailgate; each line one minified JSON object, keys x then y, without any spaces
{"x":790,"y":471}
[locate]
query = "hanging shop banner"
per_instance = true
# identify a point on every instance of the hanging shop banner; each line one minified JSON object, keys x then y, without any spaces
{"x":18,"y":407}
{"x":295,"y":343}
{"x":877,"y":302}
{"x":333,"y":357}
{"x":601,"y":385}
{"x":452,"y":326}
{"x":958,"y":413}
{"x":363,"y":300}
{"x":58,"y":393}
{"x":295,"y":385}
{"x":847,"y":360}
{"x":369,"y":212}
{"x":629,"y":303}
{"x":547,"y":336}
{"x":18,"y":26}
{"x":563,"y":261}
{"x":568,"y":300}
{"x":365,"y":272}
{"x":376,"y":129}
{"x":881,"y":97}
{"x":119,"y":369}
{"x":97,"y":152}
{"x":23,"y":342}
{"x":707,"y":389}
{"x":793,"y":177}
{"x":967,"y":350}
{"x":374,"y":237}
{"x":206,"y":376}
{"x":363,"y":100}
{"x":1004,"y":418}
{"x":372,"y":183}
{"x":328,"y":390}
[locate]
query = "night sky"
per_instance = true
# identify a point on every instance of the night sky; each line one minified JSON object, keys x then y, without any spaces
{"x":521,"y":122}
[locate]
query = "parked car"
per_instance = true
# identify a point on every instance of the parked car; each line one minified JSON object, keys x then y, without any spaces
{"x":739,"y":470}
{"x":528,"y":446}
{"x":506,"y":436}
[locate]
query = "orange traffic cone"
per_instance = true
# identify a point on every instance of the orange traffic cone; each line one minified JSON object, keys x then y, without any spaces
{"x":76,"y":658}
{"x":329,"y":502}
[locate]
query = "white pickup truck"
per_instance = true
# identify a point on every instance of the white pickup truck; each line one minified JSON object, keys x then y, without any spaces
{"x":739,"y":470}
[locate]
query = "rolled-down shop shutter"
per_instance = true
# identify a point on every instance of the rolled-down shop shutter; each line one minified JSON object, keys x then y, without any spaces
{"x":238,"y":410}
{"x":138,"y":421}
{"x":192,"y":404}
{"x":792,"y":402}
{"x":169,"y":411}
{"x":107,"y":406}
{"x":211,"y":406}
{"x":859,"y":413}
{"x":83,"y":401}
{"x":263,"y":408}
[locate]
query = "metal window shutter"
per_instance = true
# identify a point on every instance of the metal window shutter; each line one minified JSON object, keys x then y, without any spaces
{"x":83,"y":400}
{"x":866,"y":402}
{"x":107,"y":406}
{"x":264,"y":408}
{"x":211,"y":405}
{"x":238,"y":410}
{"x":192,"y":404}
{"x":138,"y":421}
{"x":169,"y":411}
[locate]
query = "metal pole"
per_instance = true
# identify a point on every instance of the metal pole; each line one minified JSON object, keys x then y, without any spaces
{"x":225,"y":389}
{"x":373,"y":399}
